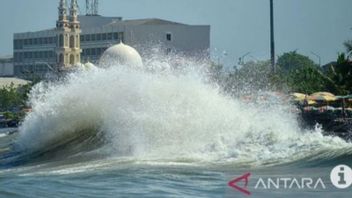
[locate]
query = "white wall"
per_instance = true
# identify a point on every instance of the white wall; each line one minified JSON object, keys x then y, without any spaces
{"x":185,"y":39}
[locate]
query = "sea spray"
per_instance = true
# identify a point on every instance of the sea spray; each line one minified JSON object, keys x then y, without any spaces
{"x":165,"y":113}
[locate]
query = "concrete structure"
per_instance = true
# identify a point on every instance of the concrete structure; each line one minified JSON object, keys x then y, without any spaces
{"x":121,"y":54}
{"x":39,"y":52}
{"x":6,"y":66}
{"x":68,"y":51}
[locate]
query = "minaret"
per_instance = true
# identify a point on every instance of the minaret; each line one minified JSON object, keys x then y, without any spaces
{"x":63,"y":30}
{"x":75,"y":46}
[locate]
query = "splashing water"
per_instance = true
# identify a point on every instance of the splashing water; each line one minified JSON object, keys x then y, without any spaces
{"x":167,"y":115}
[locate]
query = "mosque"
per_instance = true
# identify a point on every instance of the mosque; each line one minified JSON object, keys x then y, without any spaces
{"x":84,"y":38}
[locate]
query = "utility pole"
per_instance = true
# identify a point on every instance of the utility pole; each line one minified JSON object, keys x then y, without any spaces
{"x":272,"y":40}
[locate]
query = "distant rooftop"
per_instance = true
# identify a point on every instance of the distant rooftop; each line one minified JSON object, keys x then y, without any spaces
{"x":5,"y":57}
{"x":96,"y":20}
{"x":99,"y":21}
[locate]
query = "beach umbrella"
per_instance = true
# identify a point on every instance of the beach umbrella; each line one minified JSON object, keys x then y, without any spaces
{"x":322,"y":96}
{"x":302,"y":98}
{"x":299,"y":96}
{"x":309,"y":102}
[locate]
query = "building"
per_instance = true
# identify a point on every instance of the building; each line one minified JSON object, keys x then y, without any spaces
{"x":6,"y":66}
{"x":85,"y":38}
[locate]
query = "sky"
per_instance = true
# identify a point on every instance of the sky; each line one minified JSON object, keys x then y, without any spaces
{"x":315,"y":28}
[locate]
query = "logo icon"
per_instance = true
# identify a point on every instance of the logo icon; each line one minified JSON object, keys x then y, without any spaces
{"x":341,"y":176}
{"x":234,"y":183}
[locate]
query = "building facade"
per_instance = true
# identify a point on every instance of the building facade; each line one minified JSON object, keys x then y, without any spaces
{"x":6,"y":66}
{"x":85,"y":38}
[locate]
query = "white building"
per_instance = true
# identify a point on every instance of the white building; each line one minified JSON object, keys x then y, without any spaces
{"x":6,"y":66}
{"x":39,"y":52}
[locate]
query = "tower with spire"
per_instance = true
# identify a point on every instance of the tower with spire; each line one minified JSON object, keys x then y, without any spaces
{"x":75,"y":55}
{"x":68,"y":36}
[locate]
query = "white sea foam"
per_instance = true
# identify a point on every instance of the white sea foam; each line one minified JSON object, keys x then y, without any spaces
{"x":167,"y":115}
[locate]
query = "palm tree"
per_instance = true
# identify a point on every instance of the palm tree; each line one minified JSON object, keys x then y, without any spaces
{"x":348,"y":46}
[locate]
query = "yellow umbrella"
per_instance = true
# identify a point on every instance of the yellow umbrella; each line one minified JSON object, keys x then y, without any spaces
{"x":299,"y":96}
{"x":322,"y":96}
{"x":302,"y":98}
{"x":311,"y":102}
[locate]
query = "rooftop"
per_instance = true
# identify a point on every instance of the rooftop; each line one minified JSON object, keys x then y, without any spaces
{"x":94,"y":21}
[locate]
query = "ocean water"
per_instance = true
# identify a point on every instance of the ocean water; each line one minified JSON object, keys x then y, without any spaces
{"x":163,"y":131}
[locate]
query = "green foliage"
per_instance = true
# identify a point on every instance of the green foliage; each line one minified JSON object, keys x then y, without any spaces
{"x":12,"y":97}
{"x":301,"y":74}
{"x":9,"y":97}
{"x":306,"y":79}
{"x":291,"y":61}
{"x":9,"y":115}
{"x":348,"y":46}
{"x":251,"y":76}
{"x":295,"y":73}
{"x":341,"y":74}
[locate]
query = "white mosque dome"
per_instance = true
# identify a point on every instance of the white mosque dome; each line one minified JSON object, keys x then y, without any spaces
{"x":121,"y":54}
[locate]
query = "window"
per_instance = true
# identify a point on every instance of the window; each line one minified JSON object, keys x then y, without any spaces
{"x":104,"y":37}
{"x":94,"y":52}
{"x":116,"y":36}
{"x":61,"y":40}
{"x":93,"y":37}
{"x":72,"y":59}
{"x":61,"y":58}
{"x":110,"y":36}
{"x":98,"y":51}
{"x":99,"y":37}
{"x":72,"y":41}
{"x":82,"y":38}
{"x":168,"y":37}
{"x":87,"y":37}
{"x":17,"y":44}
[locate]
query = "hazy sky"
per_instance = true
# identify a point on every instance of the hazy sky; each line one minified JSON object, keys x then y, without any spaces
{"x":237,"y":26}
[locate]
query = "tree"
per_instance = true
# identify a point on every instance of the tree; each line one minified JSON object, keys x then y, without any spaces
{"x":348,"y":46}
{"x":301,"y":74}
{"x":292,"y":61}
{"x":251,"y":76}
{"x":9,"y":97}
{"x":341,"y":74}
